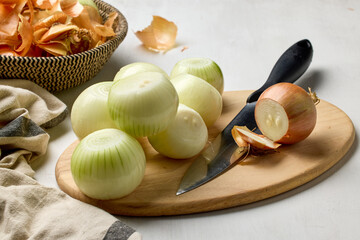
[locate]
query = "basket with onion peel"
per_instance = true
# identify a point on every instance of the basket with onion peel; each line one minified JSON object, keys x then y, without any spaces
{"x":57,"y":44}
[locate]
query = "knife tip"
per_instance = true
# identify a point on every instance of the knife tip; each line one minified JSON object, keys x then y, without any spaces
{"x":180,"y":192}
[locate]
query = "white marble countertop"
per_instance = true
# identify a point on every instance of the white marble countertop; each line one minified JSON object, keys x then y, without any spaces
{"x":246,"y":38}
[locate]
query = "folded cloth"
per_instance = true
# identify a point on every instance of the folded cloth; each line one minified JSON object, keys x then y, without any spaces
{"x":29,"y":210}
{"x":25,"y":109}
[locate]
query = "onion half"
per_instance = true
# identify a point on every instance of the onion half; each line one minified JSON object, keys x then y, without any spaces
{"x":137,"y":67}
{"x":199,"y":95}
{"x":90,"y":112}
{"x":108,"y":164}
{"x":185,"y":137}
{"x":143,"y":104}
{"x":203,"y":68}
{"x":285,"y":113}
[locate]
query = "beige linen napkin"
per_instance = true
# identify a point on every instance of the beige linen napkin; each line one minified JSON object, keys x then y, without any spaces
{"x":29,"y":210}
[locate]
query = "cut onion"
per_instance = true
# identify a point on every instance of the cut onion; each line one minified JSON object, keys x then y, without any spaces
{"x":185,"y":137}
{"x":108,"y":164}
{"x":143,"y":104}
{"x":285,"y":113}
{"x":138,"y":67}
{"x":199,"y":95}
{"x":242,"y":134}
{"x":89,"y":112}
{"x":203,"y":68}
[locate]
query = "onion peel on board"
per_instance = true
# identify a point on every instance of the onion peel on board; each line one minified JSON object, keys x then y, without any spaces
{"x":38,"y":28}
{"x":243,"y":149}
{"x":254,"y":143}
{"x":160,"y":35}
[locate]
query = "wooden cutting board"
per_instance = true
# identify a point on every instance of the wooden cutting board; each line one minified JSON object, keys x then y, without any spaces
{"x":255,"y":179}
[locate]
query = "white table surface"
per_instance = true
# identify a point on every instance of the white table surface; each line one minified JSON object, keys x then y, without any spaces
{"x":246,"y":38}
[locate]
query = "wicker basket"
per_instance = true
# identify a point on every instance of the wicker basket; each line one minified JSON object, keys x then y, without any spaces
{"x":60,"y":73}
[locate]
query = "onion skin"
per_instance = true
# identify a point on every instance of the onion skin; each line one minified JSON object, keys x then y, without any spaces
{"x":299,"y":107}
{"x":256,"y":140}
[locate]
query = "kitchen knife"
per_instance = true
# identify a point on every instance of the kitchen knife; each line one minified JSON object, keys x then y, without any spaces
{"x":222,"y":154}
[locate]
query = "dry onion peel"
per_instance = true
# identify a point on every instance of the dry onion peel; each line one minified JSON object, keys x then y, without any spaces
{"x":25,"y":32}
{"x":244,"y":148}
{"x":57,"y":30}
{"x":54,"y":48}
{"x":71,"y":7}
{"x":45,"y":4}
{"x":6,"y":51}
{"x":51,"y":27}
{"x":6,"y":40}
{"x":47,"y":22}
{"x":9,"y":20}
{"x":160,"y":35}
{"x":90,"y":19}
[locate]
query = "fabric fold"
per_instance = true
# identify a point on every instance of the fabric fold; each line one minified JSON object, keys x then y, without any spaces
{"x":25,"y":110}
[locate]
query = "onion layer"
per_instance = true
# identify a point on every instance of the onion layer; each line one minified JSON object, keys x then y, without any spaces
{"x":90,"y":112}
{"x":260,"y":142}
{"x":185,"y":137}
{"x":200,"y":96}
{"x":143,"y":104}
{"x":203,"y":68}
{"x":285,"y":113}
{"x":108,"y":164}
{"x":137,"y":67}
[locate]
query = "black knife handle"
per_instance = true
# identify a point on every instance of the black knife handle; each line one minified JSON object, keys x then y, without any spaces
{"x":290,"y":66}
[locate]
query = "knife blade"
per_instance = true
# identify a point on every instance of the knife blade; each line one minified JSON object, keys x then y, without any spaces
{"x":222,"y":154}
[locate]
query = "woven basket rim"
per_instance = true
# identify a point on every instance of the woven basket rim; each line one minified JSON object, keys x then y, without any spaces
{"x":120,"y":35}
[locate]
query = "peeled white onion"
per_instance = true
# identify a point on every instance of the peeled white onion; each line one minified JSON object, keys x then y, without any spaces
{"x":185,"y":137}
{"x":143,"y":104}
{"x":90,"y":112}
{"x":200,"y":96}
{"x":285,"y":113}
{"x":108,"y":164}
{"x":137,"y":67}
{"x":203,"y":68}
